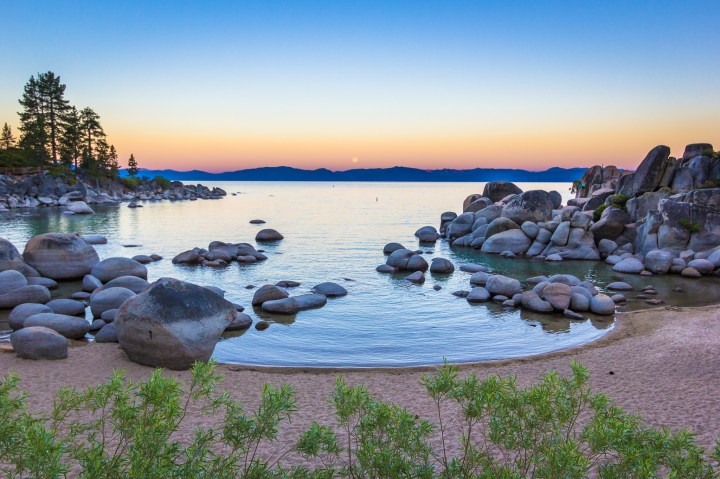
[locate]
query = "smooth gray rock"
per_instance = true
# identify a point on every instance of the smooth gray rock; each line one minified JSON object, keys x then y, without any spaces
{"x":107,"y":299}
{"x":241,"y":323}
{"x":513,"y":240}
{"x":478,"y":295}
{"x":480,"y":278}
{"x":530,"y":229}
{"x":531,"y":301}
{"x":95,"y":239}
{"x":133,"y":283}
{"x":91,"y":283}
{"x":473,"y":268}
{"x":499,"y":225}
{"x":558,"y":295}
{"x":561,"y":234}
{"x":39,"y":343}
{"x":60,"y":256}
{"x":281,"y":306}
{"x":497,"y":190}
{"x":331,"y":290}
{"x":567,"y":279}
{"x":477,"y":205}
{"x":618,"y":298}
{"x":11,"y":280}
{"x":142,"y":259}
{"x":534,"y":205}
{"x":384,"y":268}
{"x":21,"y":312}
{"x":172,"y":324}
{"x":690,"y":272}
{"x":26,"y":294}
{"x":188,"y":257}
{"x":537,"y":279}
{"x":553,"y":257}
{"x":427,"y":234}
{"x":580,"y":302}
{"x":107,"y":334}
{"x":441,"y":266}
{"x":649,"y":174}
{"x":109,"y":315}
{"x":268,"y":292}
{"x":629,"y":265}
{"x":570,"y":314}
{"x":79,"y":208}
{"x":311,"y":301}
{"x":68,"y":307}
{"x":40,"y":281}
{"x":498,"y":284}
{"x":71,"y":327}
{"x":704,"y":266}
{"x":391,"y":247}
{"x":11,"y":259}
{"x":602,"y":304}
{"x":611,"y":224}
{"x":658,"y":261}
{"x":111,"y":268}
{"x":619,"y":286}
{"x":268,"y":234}
{"x":606,"y":247}
{"x":417,"y":277}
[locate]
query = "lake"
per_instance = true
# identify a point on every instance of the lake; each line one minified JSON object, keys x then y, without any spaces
{"x":336,"y":232}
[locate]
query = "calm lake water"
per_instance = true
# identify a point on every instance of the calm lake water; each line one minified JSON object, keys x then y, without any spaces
{"x":336,"y":232}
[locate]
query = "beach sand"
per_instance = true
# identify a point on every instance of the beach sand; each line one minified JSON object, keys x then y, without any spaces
{"x":666,"y":365}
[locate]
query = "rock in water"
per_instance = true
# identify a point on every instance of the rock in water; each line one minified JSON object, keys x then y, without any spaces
{"x":38,"y":342}
{"x":60,"y":256}
{"x":172,"y":324}
{"x":331,"y":290}
{"x":498,"y":284}
{"x":268,"y":292}
{"x":80,"y":208}
{"x":268,"y":235}
{"x":441,"y":266}
{"x":111,"y":268}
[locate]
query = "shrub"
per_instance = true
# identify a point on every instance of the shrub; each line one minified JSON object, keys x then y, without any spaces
{"x":555,"y":428}
{"x":618,"y":200}
{"x":690,"y":226}
{"x":162,"y":182}
{"x":130,"y":183}
{"x":599,"y":211}
{"x":707,"y":152}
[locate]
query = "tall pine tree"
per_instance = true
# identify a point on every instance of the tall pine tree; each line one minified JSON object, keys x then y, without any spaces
{"x":71,"y":145}
{"x":7,"y":140}
{"x":132,"y":166}
{"x":92,"y":134}
{"x":44,"y":106}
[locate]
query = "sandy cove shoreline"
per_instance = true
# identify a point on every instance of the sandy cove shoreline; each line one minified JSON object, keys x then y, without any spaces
{"x":665,"y":364}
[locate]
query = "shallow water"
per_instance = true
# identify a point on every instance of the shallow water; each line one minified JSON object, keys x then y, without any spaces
{"x":336,"y":232}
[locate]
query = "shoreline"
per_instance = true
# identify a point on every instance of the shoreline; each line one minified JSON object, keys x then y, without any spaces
{"x":664,"y":368}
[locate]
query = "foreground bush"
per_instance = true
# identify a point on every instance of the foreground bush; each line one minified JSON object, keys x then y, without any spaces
{"x":556,"y":428}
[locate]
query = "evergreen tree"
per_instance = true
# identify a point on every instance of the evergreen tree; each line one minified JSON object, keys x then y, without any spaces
{"x":34,"y":138}
{"x":92,"y":133}
{"x":72,"y":138}
{"x":113,"y":165}
{"x":132,"y":166}
{"x":7,"y":140}
{"x":44,"y":105}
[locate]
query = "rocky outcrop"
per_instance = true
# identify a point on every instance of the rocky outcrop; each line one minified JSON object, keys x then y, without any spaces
{"x":164,"y":327}
{"x":652,"y":172}
{"x":534,"y":205}
{"x":497,"y":190}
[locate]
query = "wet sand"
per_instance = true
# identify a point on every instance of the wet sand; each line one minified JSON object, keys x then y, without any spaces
{"x":666,"y":365}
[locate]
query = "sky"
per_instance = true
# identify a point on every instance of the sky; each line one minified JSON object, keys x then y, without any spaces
{"x":227,"y":85}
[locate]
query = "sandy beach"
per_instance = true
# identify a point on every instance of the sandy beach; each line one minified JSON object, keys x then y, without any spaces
{"x":665,"y":365}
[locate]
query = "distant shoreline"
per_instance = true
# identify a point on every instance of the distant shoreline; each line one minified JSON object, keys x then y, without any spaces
{"x":395,"y":174}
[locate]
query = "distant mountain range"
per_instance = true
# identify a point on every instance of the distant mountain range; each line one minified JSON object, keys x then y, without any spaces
{"x":397,"y":173}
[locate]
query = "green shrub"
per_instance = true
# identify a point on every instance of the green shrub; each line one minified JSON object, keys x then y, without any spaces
{"x":599,"y":211}
{"x":707,"y":152}
{"x":618,"y":200}
{"x":690,"y":226}
{"x":162,"y":182}
{"x":715,"y":183}
{"x":556,"y":428}
{"x":130,"y":183}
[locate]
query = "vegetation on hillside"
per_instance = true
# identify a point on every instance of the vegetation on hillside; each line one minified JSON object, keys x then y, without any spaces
{"x":486,"y":428}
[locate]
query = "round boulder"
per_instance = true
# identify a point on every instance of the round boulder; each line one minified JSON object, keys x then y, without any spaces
{"x":630,"y":266}
{"x":69,"y":307}
{"x":499,"y":284}
{"x":107,"y":334}
{"x":107,"y":299}
{"x":241,"y":323}
{"x":427,"y":234}
{"x":331,"y":290}
{"x":38,"y":342}
{"x":268,"y":292}
{"x":111,"y":268}
{"x":392,"y":247}
{"x":60,"y":256}
{"x":71,"y":327}
{"x":172,"y":324}
{"x":441,"y":266}
{"x":268,"y":234}
{"x":602,"y":304}
{"x":21,"y":312}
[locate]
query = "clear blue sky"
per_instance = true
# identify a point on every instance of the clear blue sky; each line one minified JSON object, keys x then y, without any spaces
{"x":226,"y":85}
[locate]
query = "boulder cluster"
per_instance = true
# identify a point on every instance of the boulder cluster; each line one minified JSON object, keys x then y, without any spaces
{"x":219,"y":254}
{"x":662,"y":218}
{"x":76,"y":196}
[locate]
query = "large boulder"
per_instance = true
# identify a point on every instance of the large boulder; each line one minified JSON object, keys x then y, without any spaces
{"x":14,"y":290}
{"x":10,"y":258}
{"x":649,"y":175}
{"x":427,"y":234}
{"x":690,"y":220}
{"x":111,"y":268}
{"x":534,"y":205}
{"x":133,"y":283}
{"x":188,"y":257}
{"x":595,"y":178}
{"x":514,"y":241}
{"x":497,"y":190}
{"x":477,"y":205}
{"x":407,"y":260}
{"x":630,"y":266}
{"x":441,"y":266}
{"x":658,"y":261}
{"x":60,"y":256}
{"x":172,"y":324}
{"x":38,"y":342}
{"x":696,"y":149}
{"x":499,"y":225}
{"x":602,"y":304}
{"x":79,"y":208}
{"x":611,"y":224}
{"x":558,"y":295}
{"x":71,"y":327}
{"x":108,"y":299}
{"x":390,"y":247}
{"x":69,"y":307}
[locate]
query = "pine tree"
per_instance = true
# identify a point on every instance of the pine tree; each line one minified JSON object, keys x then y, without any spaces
{"x":44,"y":105}
{"x":7,"y":140}
{"x":33,"y":138}
{"x":113,"y":165}
{"x":92,"y":133}
{"x":72,"y":138}
{"x":132,"y":166}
